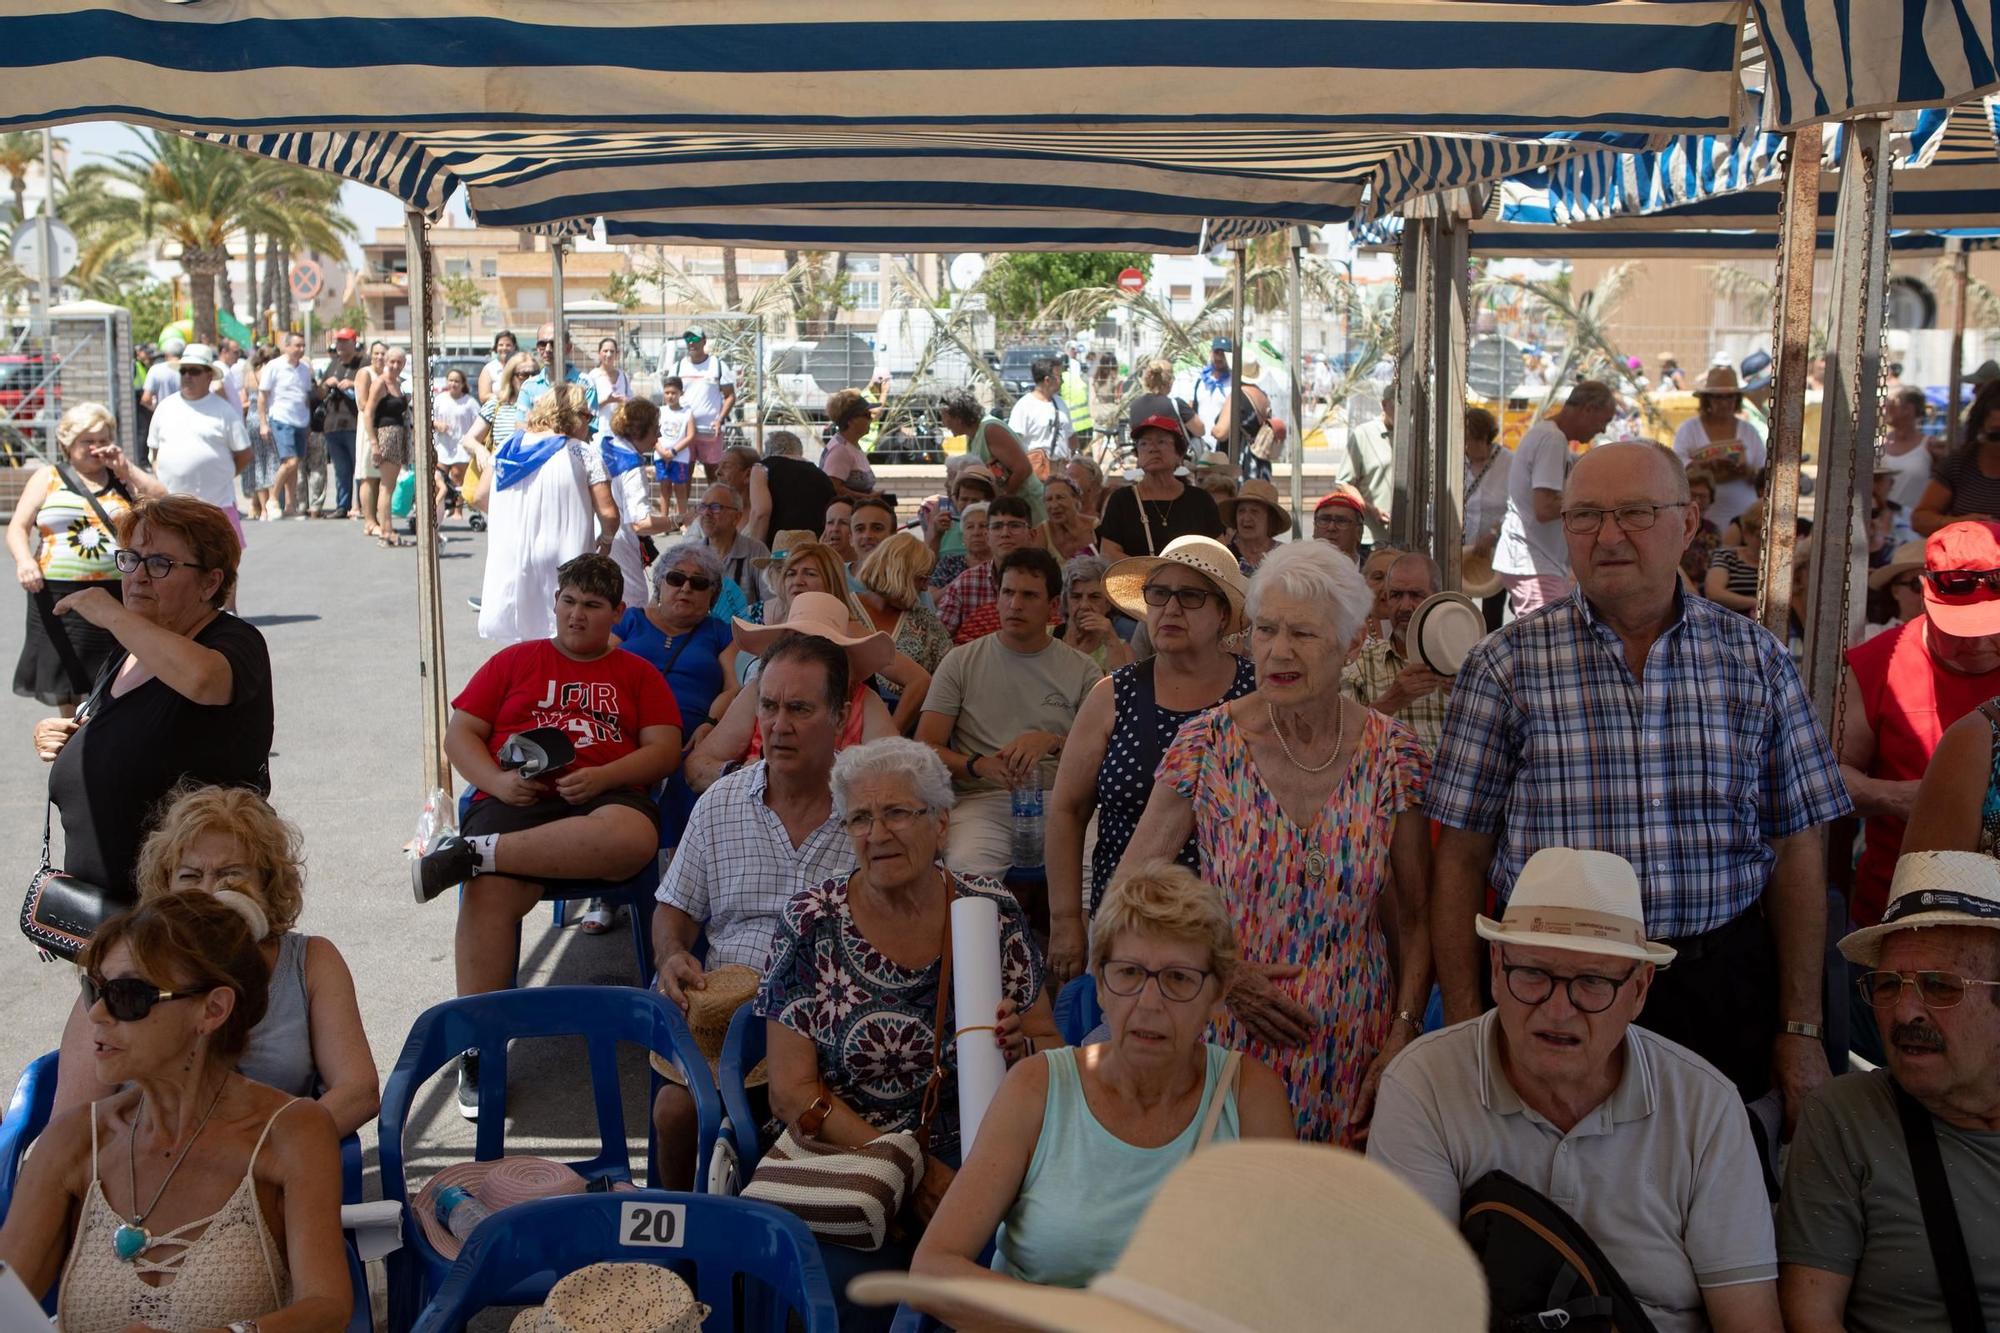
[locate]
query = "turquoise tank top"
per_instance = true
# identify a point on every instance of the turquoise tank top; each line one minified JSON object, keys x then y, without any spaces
{"x":1086,"y":1187}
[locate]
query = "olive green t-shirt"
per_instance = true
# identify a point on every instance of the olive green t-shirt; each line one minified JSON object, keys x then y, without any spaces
{"x":995,"y":694}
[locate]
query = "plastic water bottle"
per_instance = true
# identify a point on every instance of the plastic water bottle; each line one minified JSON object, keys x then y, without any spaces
{"x":1028,"y":824}
{"x":459,"y":1211}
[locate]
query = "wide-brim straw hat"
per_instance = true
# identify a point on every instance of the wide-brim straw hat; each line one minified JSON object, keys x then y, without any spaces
{"x":1908,"y":556}
{"x":1719,"y":382}
{"x":1125,"y":581}
{"x":783,"y":543}
{"x":1443,"y":629}
{"x":1260,"y":492}
{"x":496,"y":1184}
{"x":1932,"y":889}
{"x":616,"y":1298}
{"x":826,"y":616}
{"x":1252,"y":1235}
{"x":711,"y":1006}
{"x":1476,"y":576}
{"x":1580,"y":901}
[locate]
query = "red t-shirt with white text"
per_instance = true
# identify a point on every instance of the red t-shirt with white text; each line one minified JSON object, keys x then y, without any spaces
{"x":601,"y":705}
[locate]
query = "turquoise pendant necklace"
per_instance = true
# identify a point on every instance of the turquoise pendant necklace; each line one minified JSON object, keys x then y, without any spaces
{"x":131,"y":1239}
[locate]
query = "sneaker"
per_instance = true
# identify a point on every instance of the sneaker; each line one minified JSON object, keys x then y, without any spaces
{"x":476,"y":521}
{"x":598,"y":917}
{"x":468,"y":1085}
{"x":474,"y":603}
{"x":449,"y":861}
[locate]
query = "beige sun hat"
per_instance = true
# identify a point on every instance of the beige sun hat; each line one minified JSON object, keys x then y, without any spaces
{"x":1720,"y":380}
{"x":1125,"y":581}
{"x":1253,"y":1235}
{"x":826,"y":616}
{"x":1582,"y":901}
{"x":500,"y":1183}
{"x":616,"y":1298}
{"x":1908,"y":556}
{"x":1932,"y":889}
{"x":783,"y":543}
{"x":711,"y":1007}
{"x":1257,"y":491}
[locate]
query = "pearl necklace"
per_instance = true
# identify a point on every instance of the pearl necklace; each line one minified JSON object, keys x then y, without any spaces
{"x":1339,"y":707}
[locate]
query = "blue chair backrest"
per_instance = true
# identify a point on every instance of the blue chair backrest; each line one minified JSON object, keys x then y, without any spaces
{"x":515,"y":1256}
{"x":602,"y":1015}
{"x":27,"y":1115}
{"x":741,"y":1050}
{"x":1076,"y":1009}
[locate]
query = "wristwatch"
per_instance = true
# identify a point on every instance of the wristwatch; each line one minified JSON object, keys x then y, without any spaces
{"x":244,"y":1326}
{"x":972,"y":766}
{"x":815,"y":1115}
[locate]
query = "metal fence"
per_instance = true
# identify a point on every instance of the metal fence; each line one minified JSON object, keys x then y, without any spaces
{"x":79,"y":354}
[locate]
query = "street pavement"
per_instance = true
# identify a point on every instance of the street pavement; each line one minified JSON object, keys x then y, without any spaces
{"x":340,"y":617}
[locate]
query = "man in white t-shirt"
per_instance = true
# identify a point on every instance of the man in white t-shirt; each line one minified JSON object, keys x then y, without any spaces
{"x":197,"y":444}
{"x":708,"y":388}
{"x":231,"y":368}
{"x":1041,"y":419}
{"x":1532,"y":555}
{"x":284,"y":416}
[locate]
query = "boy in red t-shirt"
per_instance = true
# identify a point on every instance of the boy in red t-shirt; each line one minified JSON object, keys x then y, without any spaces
{"x":591,"y":819}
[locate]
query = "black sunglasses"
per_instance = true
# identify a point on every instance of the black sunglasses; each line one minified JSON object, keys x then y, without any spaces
{"x":673,"y":578}
{"x":127,"y":999}
{"x":1962,"y":582}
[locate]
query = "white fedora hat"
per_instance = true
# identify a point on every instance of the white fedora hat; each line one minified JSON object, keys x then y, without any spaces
{"x":1443,"y":629}
{"x":1932,"y":889}
{"x":1582,"y":901}
{"x":1253,"y":1235}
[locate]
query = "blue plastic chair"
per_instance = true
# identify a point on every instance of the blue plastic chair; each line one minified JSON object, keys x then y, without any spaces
{"x":742,"y":1048}
{"x":603,"y":1016}
{"x":1077,"y":1012}
{"x":727,"y":1249}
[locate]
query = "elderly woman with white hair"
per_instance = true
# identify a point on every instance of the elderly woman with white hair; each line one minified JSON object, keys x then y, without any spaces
{"x":857,"y":980}
{"x":1307,"y":811}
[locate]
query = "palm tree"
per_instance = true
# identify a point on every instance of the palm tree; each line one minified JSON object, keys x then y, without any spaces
{"x":1586,"y":319}
{"x":20,"y":151}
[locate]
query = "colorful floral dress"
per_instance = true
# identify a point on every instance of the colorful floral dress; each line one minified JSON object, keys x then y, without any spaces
{"x":1308,"y":896}
{"x":872,"y":1018}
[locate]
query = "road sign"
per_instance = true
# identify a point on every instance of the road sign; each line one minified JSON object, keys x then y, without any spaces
{"x":305,"y":279}
{"x":27,"y":248}
{"x":1132,"y":280}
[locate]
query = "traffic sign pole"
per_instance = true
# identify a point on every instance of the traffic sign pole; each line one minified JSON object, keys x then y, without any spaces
{"x":48,"y":214}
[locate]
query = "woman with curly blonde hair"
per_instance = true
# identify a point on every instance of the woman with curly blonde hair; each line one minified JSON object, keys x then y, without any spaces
{"x":229,"y":842}
{"x":893,"y":578}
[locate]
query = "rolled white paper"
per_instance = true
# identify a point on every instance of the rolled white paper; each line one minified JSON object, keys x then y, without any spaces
{"x":975,"y":997}
{"x":18,"y":1307}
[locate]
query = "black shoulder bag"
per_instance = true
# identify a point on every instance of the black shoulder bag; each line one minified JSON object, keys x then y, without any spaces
{"x":1941,"y":1229}
{"x":61,"y":912}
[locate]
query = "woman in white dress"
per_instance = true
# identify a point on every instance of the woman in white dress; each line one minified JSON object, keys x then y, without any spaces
{"x":1720,"y":439}
{"x":453,"y":410}
{"x":629,"y":451}
{"x":547,"y":500}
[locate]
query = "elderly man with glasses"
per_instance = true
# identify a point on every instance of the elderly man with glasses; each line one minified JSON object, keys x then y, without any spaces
{"x":1891,"y":1213}
{"x":545,"y":360}
{"x":1638,"y":1140}
{"x":721,"y":516}
{"x":1631,"y":718}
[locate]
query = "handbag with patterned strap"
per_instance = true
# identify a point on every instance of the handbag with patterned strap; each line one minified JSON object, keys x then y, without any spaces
{"x":852,"y":1196}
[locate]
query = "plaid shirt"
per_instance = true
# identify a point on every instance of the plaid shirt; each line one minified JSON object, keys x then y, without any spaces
{"x":1374,"y":669}
{"x":736,"y":867}
{"x":1549,"y":741}
{"x":970,"y":607}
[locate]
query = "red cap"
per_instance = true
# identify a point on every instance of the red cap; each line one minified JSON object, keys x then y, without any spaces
{"x":1342,"y":494}
{"x":1970,"y":546}
{"x":347,"y":334}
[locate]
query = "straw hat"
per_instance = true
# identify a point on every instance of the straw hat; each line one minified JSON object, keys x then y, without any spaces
{"x":1475,"y":574}
{"x":616,"y":1298}
{"x":826,"y":616}
{"x":979,"y":474}
{"x":783,"y":543}
{"x":1257,"y":491}
{"x":1125,"y":581}
{"x":1443,"y":629}
{"x":1720,"y":381}
{"x":1581,"y":901}
{"x":1908,"y":556}
{"x":710,"y":1009}
{"x":1253,"y":1235}
{"x":497,"y":1184}
{"x":1932,"y":889}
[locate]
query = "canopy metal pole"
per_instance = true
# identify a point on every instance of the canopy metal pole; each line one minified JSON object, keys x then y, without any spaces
{"x":423,"y":462}
{"x":46,"y":224}
{"x":1235,"y":444}
{"x":1297,"y":451}
{"x":1449,"y":290}
{"x":1798,"y":242}
{"x":561,"y":371}
{"x":1849,"y":416}
{"x":1960,"y":273}
{"x":1406,"y":520}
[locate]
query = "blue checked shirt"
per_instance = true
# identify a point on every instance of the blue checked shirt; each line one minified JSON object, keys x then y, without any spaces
{"x":1550,"y":742}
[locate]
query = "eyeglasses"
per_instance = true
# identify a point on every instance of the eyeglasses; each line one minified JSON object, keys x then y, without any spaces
{"x":1179,"y":984}
{"x":1336,"y":521}
{"x":157,"y":566}
{"x":1937,"y":990}
{"x":1191,"y":599}
{"x":1006,"y":525}
{"x":1960,"y":582}
{"x":895,"y":818}
{"x":673,"y":578}
{"x":714,"y":507}
{"x":1630,"y":518}
{"x":127,"y":999}
{"x":1588,"y":993}
{"x":545,"y":342}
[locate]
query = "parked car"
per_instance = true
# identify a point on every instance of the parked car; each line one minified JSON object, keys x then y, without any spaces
{"x":30,"y":402}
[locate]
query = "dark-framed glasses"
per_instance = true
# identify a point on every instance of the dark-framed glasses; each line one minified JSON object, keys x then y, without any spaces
{"x":714,"y":507}
{"x":673,"y":578}
{"x":1588,"y":992}
{"x":1963,"y":582}
{"x":1191,"y":599}
{"x":157,"y":566}
{"x":1938,"y":990}
{"x":1179,"y":984}
{"x":1630,"y":518}
{"x":895,"y":818}
{"x":127,"y":999}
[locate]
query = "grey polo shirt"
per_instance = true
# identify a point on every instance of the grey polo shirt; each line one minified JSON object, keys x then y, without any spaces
{"x":1663,"y":1174}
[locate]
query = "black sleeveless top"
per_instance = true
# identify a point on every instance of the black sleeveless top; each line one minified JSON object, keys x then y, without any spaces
{"x":800,"y":493}
{"x":391,"y":409}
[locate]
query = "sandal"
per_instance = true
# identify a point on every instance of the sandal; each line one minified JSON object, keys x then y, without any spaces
{"x":597,"y":918}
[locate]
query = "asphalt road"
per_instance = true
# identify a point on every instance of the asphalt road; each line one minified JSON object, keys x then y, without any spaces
{"x":340,"y":617}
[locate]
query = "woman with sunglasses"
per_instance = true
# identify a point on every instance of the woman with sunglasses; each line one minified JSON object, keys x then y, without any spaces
{"x":186,"y":699}
{"x":1190,"y":598}
{"x":193,"y":1197}
{"x":1079,"y":1138}
{"x":1966,"y":482}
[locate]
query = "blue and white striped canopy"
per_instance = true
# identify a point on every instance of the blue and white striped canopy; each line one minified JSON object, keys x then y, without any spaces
{"x":1829,"y":59}
{"x":1491,"y":239}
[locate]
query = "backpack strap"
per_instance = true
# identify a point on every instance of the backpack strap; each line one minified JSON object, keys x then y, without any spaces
{"x":1941,"y":1228}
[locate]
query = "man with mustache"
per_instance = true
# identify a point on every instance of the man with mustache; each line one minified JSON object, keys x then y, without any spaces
{"x":1891,"y":1212}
